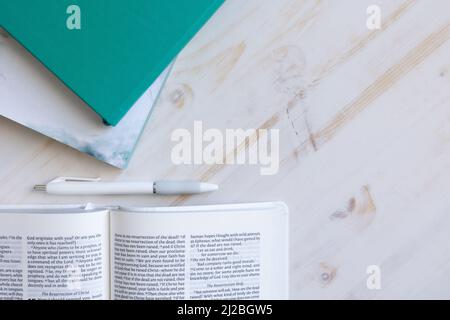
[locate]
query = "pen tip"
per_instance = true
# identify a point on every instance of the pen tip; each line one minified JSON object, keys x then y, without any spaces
{"x":209,"y":187}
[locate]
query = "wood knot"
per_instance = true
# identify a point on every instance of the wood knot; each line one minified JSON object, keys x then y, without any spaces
{"x":362,"y":204}
{"x":327,"y":273}
{"x":180,"y":95}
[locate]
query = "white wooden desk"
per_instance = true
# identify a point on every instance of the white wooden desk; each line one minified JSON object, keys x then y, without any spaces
{"x":364,"y":119}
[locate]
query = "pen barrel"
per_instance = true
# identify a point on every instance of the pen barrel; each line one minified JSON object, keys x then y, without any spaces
{"x":172,"y":188}
{"x":100,"y":188}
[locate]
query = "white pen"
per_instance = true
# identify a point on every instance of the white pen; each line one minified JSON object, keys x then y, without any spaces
{"x":86,"y":186}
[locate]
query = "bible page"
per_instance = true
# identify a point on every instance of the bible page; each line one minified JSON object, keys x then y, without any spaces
{"x":54,"y":253}
{"x":211,"y":252}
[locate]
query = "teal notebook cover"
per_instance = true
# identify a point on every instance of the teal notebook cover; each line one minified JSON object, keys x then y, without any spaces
{"x":120,"y":49}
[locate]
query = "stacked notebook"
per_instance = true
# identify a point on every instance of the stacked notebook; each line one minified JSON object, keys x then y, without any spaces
{"x":92,"y":87}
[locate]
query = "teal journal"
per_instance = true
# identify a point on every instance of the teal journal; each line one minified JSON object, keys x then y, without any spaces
{"x":109,"y":52}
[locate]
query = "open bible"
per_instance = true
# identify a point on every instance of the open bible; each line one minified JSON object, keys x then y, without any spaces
{"x":237,"y":251}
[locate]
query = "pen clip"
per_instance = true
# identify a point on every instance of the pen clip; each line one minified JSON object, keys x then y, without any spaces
{"x":74,"y":179}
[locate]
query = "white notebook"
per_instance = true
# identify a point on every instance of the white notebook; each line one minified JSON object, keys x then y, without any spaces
{"x":237,"y":251}
{"x":32,"y":96}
